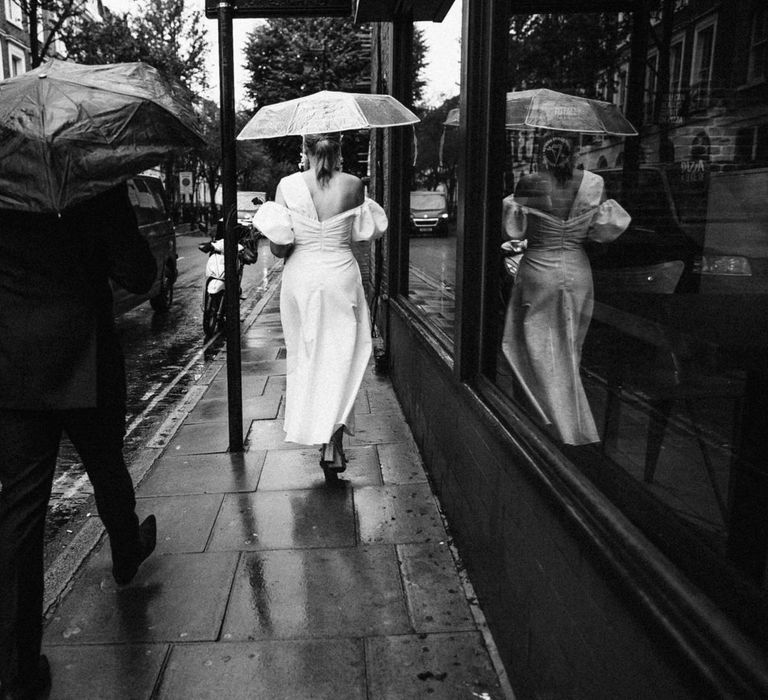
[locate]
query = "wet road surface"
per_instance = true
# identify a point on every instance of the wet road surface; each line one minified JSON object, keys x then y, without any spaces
{"x":165,"y":353}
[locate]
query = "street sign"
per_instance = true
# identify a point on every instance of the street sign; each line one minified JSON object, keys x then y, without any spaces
{"x":185,"y":183}
{"x":282,"y":8}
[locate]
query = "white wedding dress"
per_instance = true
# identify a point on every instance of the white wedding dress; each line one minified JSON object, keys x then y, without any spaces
{"x":323,"y":309}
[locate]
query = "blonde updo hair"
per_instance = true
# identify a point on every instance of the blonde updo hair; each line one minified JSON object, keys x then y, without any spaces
{"x":326,"y":149}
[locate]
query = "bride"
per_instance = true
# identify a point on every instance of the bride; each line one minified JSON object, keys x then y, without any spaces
{"x":315,"y":217}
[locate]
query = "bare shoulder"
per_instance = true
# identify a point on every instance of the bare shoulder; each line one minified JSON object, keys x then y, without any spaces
{"x":354,"y":190}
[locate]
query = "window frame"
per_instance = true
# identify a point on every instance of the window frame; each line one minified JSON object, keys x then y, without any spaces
{"x":694,"y":82}
{"x":16,"y":53}
{"x":14,"y":13}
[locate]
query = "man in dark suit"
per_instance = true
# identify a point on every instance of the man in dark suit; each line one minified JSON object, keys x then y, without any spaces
{"x":62,"y":369}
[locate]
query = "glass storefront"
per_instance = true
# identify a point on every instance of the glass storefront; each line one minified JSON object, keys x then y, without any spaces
{"x":434,"y":184}
{"x":641,"y":350}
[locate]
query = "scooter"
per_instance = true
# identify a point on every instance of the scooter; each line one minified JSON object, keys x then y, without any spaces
{"x":214,"y":306}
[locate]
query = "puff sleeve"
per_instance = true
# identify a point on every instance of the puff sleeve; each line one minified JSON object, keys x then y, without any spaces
{"x":274,"y":221}
{"x":611,"y":220}
{"x":370,"y":222}
{"x":515,"y":219}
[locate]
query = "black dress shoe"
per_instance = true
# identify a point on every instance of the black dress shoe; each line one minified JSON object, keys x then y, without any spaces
{"x":123,"y":573}
{"x":31,"y":688}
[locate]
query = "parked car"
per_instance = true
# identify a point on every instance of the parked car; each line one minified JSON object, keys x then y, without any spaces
{"x":664,"y":226}
{"x":429,"y":212}
{"x":147,"y":197}
{"x":716,"y":223}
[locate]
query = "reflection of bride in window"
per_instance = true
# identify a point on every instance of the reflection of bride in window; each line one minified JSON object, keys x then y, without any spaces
{"x":556,"y":210}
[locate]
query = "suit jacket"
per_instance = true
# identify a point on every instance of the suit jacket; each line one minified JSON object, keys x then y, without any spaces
{"x":58,"y":345}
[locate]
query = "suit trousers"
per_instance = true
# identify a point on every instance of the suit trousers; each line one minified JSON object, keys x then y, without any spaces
{"x":29,"y":444}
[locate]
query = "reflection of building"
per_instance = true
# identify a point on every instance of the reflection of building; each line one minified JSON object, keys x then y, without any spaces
{"x":712,"y":109}
{"x":635,"y":567}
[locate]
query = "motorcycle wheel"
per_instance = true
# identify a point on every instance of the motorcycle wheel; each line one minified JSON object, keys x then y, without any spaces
{"x":213,"y":316}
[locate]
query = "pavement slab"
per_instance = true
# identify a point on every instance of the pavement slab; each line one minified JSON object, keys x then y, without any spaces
{"x":444,"y":666}
{"x":184,"y":523}
{"x":212,"y":473}
{"x":328,"y":669}
{"x":288,"y":594}
{"x":295,"y":519}
{"x":300,"y":469}
{"x":106,"y":672}
{"x":174,"y":597}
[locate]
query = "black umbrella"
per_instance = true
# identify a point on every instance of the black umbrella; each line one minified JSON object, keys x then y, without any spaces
{"x":69,"y":131}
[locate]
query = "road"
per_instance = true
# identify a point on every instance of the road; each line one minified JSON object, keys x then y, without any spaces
{"x":165,"y":353}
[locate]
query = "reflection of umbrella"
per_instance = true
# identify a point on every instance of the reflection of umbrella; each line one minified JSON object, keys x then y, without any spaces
{"x":325,"y":112}
{"x":547,"y":109}
{"x":69,"y":131}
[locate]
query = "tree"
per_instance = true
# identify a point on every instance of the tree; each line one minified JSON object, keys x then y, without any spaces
{"x":48,"y":20}
{"x":291,"y":57}
{"x":160,"y":32}
{"x":574,"y":53}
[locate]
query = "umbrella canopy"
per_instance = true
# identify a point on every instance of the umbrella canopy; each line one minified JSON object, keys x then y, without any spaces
{"x":324,"y":112}
{"x":69,"y":131}
{"x":548,"y":109}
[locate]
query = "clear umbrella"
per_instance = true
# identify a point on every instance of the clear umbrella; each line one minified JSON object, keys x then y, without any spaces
{"x":324,"y":112}
{"x":557,"y":111}
{"x":69,"y":131}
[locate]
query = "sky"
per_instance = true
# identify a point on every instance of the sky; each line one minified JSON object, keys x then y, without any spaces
{"x":441,"y":75}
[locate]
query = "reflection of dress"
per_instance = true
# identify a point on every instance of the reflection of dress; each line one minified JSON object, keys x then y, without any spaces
{"x":323,"y":309}
{"x":551,"y":305}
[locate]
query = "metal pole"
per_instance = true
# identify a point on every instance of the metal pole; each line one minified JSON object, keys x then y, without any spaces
{"x":229,"y":200}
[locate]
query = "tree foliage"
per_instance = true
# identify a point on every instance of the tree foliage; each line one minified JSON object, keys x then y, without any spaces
{"x":163,"y":33}
{"x":573,"y":53}
{"x":291,"y":57}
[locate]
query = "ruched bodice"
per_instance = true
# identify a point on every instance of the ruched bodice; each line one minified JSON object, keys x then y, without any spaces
{"x":322,"y":308}
{"x":551,"y":304}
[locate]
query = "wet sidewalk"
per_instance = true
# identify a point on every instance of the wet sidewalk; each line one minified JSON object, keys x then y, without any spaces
{"x":266,"y":583}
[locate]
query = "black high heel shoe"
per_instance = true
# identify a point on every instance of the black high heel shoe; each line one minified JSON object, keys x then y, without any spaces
{"x":333,"y":461}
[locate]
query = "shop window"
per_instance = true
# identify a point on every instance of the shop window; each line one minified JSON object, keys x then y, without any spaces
{"x":758,"y":50}
{"x":659,"y":391}
{"x":651,"y":82}
{"x":434,"y":183}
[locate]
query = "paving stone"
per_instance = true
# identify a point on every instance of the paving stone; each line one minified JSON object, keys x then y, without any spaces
{"x":184,"y":523}
{"x":382,"y":399}
{"x":436,"y":599}
{"x":252,"y":385}
{"x":174,"y":597}
{"x":276,"y":383}
{"x":269,"y":435}
{"x":261,"y":407}
{"x":263,"y":352}
{"x":314,"y":593}
{"x":105,"y":672}
{"x":400,"y":463}
{"x":445,"y":666}
{"x":201,"y":438}
{"x":285,"y":520}
{"x":398,"y":514}
{"x":300,"y":469}
{"x":214,"y":473}
{"x":381,"y":427}
{"x":329,"y":669}
{"x":264,"y":368}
